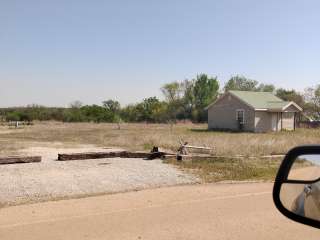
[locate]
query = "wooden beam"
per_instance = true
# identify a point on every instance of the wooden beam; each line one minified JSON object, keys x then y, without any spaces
{"x":19,"y":159}
{"x":196,"y":147}
{"x":97,"y":155}
{"x":86,"y":155}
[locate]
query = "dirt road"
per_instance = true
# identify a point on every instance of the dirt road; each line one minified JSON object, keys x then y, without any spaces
{"x":213,"y":211}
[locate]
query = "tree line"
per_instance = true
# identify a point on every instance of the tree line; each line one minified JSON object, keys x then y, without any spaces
{"x":183,"y":100}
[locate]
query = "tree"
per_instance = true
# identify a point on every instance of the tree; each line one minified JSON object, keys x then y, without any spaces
{"x":172,"y":91}
{"x":312,"y":99}
{"x":290,"y":95}
{"x":149,"y":105}
{"x":152,"y":110}
{"x":173,"y":95}
{"x":95,"y":113}
{"x":241,"y":83}
{"x":13,"y":116}
{"x":73,"y":115}
{"x":114,"y":107}
{"x":266,"y":87}
{"x":76,"y":104}
{"x":129,"y":113}
{"x":205,"y":91}
{"x":188,"y":100}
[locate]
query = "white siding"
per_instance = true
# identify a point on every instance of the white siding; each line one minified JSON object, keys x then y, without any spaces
{"x":288,"y":120}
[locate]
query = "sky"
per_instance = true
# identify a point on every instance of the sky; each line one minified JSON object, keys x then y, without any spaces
{"x":55,"y":52}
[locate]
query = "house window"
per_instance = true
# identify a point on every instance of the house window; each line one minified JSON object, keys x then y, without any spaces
{"x":240,"y":116}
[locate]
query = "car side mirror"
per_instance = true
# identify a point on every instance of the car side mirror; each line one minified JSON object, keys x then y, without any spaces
{"x":296,"y":191}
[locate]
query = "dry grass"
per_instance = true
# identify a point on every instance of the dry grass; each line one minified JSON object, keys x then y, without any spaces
{"x":215,"y":170}
{"x":144,"y":136}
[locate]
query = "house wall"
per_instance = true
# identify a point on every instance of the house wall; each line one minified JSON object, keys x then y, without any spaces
{"x":279,"y":123}
{"x":292,"y":108}
{"x":262,"y":121}
{"x":288,"y":120}
{"x":222,"y":114}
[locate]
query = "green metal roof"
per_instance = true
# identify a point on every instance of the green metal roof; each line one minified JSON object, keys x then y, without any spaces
{"x":260,"y":100}
{"x":277,"y":105}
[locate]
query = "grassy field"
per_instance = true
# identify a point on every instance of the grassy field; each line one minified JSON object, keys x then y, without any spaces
{"x":235,"y":169}
{"x":144,"y":136}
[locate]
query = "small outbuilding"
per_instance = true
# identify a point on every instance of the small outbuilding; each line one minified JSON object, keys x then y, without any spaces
{"x":252,"y":111}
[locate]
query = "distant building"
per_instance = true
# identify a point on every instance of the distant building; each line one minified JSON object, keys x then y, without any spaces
{"x":252,"y":111}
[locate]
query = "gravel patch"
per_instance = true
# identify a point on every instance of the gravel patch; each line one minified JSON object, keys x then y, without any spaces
{"x":51,"y":179}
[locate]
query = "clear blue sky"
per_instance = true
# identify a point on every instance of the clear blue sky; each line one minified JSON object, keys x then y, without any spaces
{"x":54,"y":52}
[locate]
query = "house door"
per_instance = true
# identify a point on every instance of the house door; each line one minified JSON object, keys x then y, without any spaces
{"x":274,"y":122}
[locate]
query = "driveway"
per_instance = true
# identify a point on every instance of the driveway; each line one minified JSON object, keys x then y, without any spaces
{"x":51,"y":179}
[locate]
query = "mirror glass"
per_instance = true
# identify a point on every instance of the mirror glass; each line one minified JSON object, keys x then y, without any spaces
{"x":303,"y":198}
{"x":305,"y":167}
